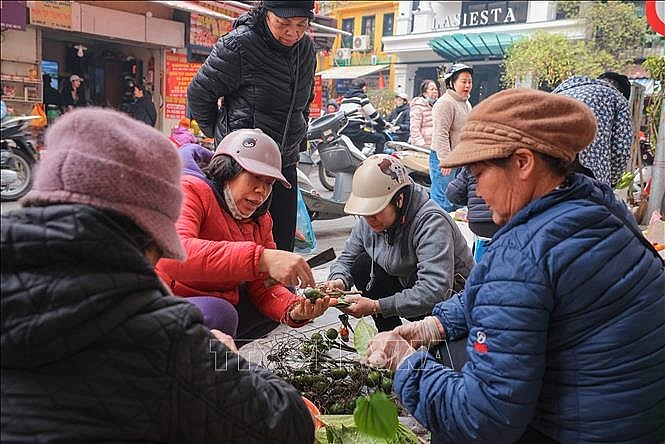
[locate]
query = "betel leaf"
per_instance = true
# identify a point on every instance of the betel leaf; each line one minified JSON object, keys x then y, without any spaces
{"x":342,"y":429}
{"x":361,"y":336}
{"x":376,"y":415}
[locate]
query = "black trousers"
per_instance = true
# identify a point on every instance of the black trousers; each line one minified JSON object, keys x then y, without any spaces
{"x":382,"y":286}
{"x":252,"y":324}
{"x":360,"y":137}
{"x":283,"y":209}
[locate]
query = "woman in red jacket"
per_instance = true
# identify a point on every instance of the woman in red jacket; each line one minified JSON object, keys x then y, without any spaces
{"x":233,"y":271}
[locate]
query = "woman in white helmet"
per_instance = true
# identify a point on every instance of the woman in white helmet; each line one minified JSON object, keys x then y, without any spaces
{"x":448,"y":115}
{"x":233,"y":272}
{"x":405,"y":253}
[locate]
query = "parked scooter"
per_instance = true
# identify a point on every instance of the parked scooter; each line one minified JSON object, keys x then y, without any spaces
{"x":415,"y":159}
{"x":340,"y":157}
{"x":310,"y":161}
{"x":17,"y":158}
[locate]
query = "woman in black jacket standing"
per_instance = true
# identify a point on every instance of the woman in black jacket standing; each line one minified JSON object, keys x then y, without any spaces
{"x":263,"y":72}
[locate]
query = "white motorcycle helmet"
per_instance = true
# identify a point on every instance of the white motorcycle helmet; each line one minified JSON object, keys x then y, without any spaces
{"x":375,"y":182}
{"x":454,"y":69}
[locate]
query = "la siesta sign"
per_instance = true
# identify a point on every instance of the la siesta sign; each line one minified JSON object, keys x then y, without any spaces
{"x":484,"y":17}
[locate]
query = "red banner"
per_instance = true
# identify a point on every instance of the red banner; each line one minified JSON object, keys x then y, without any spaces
{"x":205,"y":30}
{"x":317,"y":103}
{"x":179,"y":73}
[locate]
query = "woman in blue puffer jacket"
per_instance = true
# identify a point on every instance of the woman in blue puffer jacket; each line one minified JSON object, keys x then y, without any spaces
{"x":564,"y":313}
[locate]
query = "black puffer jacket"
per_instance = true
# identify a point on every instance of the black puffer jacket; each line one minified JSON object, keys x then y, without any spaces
{"x":263,"y":84}
{"x":144,"y":110}
{"x":462,"y":191}
{"x":94,"y":348}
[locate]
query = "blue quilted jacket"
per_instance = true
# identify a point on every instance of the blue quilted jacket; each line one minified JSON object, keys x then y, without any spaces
{"x":566,"y":332}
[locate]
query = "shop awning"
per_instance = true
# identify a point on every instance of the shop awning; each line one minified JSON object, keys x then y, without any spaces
{"x":350,"y":72}
{"x":193,"y":7}
{"x":457,"y":47}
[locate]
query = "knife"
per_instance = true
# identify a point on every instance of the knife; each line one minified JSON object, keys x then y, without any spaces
{"x":319,"y":259}
{"x":322,"y":258}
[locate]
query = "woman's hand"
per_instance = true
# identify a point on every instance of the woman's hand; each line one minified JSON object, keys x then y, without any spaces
{"x":388,"y":349}
{"x":224,"y":339}
{"x":361,"y":306}
{"x":304,"y":309}
{"x":427,"y":332}
{"x":446,"y":171}
{"x":286,"y":267}
{"x":335,"y":284}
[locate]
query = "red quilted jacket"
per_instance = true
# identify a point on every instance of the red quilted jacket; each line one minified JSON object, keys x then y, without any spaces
{"x":222,"y":253}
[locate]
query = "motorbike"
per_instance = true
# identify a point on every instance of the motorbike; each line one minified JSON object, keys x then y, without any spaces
{"x":415,"y":159}
{"x":17,"y":158}
{"x":310,"y":161}
{"x":338,"y":156}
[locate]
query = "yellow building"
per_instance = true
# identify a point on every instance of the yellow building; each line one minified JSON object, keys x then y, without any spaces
{"x":360,"y":54}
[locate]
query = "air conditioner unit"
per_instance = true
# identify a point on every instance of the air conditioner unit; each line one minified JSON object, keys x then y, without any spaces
{"x":360,"y":42}
{"x":343,"y":53}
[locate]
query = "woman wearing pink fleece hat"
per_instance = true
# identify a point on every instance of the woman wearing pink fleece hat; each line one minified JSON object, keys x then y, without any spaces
{"x":94,"y":346}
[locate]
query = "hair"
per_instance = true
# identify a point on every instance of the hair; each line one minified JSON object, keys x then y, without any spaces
{"x":556,"y":165}
{"x":425,"y":84}
{"x":140,"y":86}
{"x":619,"y":81}
{"x":359,"y":83}
{"x":222,"y":169}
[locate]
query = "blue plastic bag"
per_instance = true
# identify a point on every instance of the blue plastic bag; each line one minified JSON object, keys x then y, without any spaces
{"x":305,"y":239}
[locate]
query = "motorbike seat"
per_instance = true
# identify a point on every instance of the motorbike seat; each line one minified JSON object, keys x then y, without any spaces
{"x":353,"y":149}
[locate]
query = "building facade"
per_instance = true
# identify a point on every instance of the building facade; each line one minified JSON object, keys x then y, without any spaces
{"x":431,"y":33}
{"x":361,"y":53}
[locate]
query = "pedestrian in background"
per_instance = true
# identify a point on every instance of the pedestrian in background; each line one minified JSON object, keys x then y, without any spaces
{"x":361,"y":112}
{"x":94,"y":346}
{"x":421,"y":114}
{"x":73,"y":93}
{"x":449,"y":115}
{"x":608,"y":154}
{"x":142,"y":108}
{"x":564,"y":314}
{"x":263,"y":72}
{"x":404,"y":253}
{"x":332,"y":106}
{"x":399,"y":119}
{"x":52,"y":99}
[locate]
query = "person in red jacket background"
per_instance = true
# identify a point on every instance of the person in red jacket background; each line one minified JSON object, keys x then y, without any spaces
{"x":233,"y":272}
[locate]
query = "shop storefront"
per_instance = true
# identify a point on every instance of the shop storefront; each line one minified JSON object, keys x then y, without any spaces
{"x":109,"y":49}
{"x":112,"y":46}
